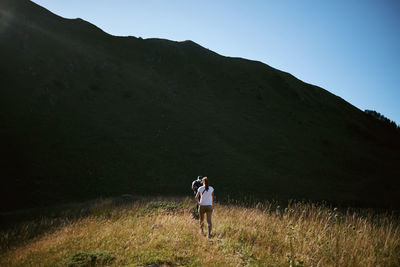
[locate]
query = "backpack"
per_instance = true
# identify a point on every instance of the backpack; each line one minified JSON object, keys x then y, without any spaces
{"x":196,"y":184}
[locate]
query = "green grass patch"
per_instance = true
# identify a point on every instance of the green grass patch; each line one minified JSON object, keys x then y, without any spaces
{"x":86,"y":259}
{"x":162,"y":206}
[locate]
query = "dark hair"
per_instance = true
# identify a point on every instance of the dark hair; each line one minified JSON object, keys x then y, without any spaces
{"x":205,"y":182}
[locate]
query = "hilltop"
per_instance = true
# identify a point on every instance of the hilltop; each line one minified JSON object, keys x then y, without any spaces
{"x":86,"y":114}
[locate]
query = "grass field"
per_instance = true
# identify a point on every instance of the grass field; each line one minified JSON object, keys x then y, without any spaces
{"x":163,"y":232}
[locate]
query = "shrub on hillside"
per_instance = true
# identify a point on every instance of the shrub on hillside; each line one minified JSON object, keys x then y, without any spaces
{"x":382,"y":118}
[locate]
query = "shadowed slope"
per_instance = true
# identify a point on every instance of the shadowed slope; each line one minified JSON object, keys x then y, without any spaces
{"x":84,"y":113}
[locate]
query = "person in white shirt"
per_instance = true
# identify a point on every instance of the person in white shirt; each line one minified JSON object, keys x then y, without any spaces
{"x":205,"y":200}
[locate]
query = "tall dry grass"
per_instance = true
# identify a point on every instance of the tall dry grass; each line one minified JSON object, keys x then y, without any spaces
{"x":163,"y":232}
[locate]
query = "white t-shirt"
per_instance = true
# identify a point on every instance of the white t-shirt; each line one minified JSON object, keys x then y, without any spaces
{"x":206,"y":196}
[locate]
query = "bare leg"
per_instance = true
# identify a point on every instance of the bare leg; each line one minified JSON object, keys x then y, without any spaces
{"x":209,"y":215}
{"x":201,"y":222}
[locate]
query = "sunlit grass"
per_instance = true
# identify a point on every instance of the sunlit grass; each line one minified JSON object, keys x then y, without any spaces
{"x":163,"y":232}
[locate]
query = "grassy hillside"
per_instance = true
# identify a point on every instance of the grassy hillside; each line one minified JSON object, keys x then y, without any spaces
{"x":86,"y":114}
{"x":162,"y":232}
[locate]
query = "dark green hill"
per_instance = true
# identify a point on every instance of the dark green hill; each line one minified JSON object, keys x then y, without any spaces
{"x":84,"y":113}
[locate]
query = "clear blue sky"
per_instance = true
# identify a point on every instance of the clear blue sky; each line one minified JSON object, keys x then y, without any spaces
{"x":349,"y":47}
